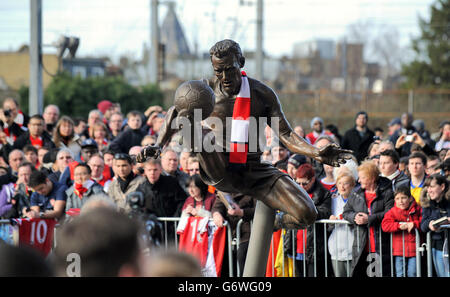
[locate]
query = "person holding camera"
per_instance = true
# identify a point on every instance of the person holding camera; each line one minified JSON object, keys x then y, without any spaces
{"x":14,"y":197}
{"x":406,"y":136}
{"x":8,"y":114}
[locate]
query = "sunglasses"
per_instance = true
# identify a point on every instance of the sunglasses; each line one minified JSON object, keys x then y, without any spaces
{"x":304,"y":184}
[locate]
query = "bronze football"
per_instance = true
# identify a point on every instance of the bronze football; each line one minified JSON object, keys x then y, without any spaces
{"x":194,"y":94}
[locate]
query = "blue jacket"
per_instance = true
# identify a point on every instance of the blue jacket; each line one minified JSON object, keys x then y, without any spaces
{"x":58,"y":193}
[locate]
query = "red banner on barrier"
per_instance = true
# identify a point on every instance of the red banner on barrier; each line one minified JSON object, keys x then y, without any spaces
{"x":37,"y":233}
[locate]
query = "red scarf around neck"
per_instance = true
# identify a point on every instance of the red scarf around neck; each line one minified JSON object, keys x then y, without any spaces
{"x":36,"y":142}
{"x":80,"y":190}
{"x":239,"y":125}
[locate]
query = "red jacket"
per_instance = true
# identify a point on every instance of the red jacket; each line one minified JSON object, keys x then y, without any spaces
{"x":391,"y":224}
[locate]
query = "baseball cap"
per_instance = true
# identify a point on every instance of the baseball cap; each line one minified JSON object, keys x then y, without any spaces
{"x":89,"y":143}
{"x":395,"y":121}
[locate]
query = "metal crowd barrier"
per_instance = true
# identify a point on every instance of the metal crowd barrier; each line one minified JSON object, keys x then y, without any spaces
{"x":9,"y":233}
{"x":6,"y":230}
{"x":176,"y":221}
{"x":420,"y":249}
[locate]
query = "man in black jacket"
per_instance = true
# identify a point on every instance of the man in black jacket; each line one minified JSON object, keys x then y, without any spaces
{"x":359,"y":138}
{"x":36,"y":135}
{"x":163,"y":196}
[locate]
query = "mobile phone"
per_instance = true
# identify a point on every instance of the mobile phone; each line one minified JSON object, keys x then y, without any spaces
{"x":409,"y":138}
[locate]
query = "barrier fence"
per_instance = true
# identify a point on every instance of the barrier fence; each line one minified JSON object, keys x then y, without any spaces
{"x":9,"y":233}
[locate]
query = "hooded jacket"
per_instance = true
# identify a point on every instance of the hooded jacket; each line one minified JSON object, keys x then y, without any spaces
{"x":391,"y":224}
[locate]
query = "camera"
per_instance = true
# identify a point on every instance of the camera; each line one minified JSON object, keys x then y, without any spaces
{"x":136,"y":201}
{"x":409,"y":138}
{"x":153,"y":229}
{"x":7,"y":113}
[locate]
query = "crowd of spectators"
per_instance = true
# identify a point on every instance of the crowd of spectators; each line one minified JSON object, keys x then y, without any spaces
{"x":55,"y":166}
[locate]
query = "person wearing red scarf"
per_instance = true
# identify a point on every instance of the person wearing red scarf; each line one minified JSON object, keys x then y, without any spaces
{"x":36,"y":135}
{"x":82,"y":189}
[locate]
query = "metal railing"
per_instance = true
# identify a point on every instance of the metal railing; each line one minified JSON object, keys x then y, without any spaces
{"x":12,"y":234}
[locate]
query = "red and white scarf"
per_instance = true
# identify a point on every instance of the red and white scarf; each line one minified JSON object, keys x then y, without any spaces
{"x":239,"y":125}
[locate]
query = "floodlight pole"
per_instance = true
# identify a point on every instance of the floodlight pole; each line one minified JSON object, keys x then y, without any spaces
{"x":35,"y":98}
{"x":154,"y":41}
{"x":259,"y":58}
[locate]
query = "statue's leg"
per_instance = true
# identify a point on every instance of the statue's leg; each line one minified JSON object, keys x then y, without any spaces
{"x":259,"y":244}
{"x":289,"y":197}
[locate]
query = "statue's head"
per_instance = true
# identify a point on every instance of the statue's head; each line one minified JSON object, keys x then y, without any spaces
{"x":225,"y":48}
{"x":227,"y":61}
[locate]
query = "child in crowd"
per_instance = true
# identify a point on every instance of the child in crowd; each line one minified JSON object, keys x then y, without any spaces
{"x":401,"y":220}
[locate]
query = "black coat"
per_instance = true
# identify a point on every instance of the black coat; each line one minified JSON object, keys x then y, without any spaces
{"x":24,"y":140}
{"x":165,"y":198}
{"x":431,"y":210}
{"x":359,"y":145}
{"x":322,"y":200}
{"x":126,"y":140}
{"x":381,"y":204}
{"x":247,"y":204}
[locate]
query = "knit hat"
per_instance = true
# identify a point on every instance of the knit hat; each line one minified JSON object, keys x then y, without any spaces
{"x":297,"y":160}
{"x":315,"y":119}
{"x":104,"y":105}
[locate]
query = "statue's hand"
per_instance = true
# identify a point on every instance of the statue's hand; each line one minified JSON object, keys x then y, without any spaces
{"x":148,"y":151}
{"x":333,"y":155}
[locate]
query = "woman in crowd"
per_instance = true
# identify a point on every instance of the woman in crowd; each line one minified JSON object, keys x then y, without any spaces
{"x":340,"y":241}
{"x":435,"y":202}
{"x":365,"y":209}
{"x":200,"y":201}
{"x":65,"y":137}
{"x":306,"y":178}
{"x":100,"y":135}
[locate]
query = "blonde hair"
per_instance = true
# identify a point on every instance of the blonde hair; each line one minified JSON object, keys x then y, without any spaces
{"x":346,"y":174}
{"x":99,"y":125}
{"x":369,"y":168}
